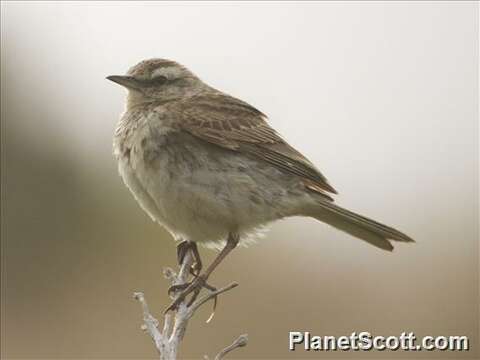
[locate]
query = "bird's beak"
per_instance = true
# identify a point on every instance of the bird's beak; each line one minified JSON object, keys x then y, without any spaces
{"x":127,"y":81}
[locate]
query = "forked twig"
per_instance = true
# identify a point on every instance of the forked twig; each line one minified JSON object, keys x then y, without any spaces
{"x":239,"y":342}
{"x":167,"y":341}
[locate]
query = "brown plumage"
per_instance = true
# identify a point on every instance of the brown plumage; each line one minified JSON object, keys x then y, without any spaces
{"x":226,"y":133}
{"x":233,"y":124}
{"x":209,"y":168}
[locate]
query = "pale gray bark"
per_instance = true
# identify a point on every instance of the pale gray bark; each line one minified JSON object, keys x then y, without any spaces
{"x":168,"y":337}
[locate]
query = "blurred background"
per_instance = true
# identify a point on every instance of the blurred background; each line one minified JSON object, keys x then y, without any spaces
{"x":383,"y":97}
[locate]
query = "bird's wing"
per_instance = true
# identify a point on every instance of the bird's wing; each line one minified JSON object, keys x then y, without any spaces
{"x":233,"y":124}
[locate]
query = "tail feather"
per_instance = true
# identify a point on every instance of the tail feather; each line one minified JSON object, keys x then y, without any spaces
{"x":357,"y":225}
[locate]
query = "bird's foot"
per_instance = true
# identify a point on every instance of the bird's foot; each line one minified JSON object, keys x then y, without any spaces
{"x":194,"y":287}
{"x":174,"y":288}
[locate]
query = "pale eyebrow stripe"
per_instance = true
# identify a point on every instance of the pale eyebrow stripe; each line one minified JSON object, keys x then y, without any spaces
{"x":166,"y":71}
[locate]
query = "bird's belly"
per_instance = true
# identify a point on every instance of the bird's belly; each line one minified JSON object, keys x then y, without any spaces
{"x":202,"y":194}
{"x":201,"y":207}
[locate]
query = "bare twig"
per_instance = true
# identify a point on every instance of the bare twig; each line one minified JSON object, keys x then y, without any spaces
{"x":167,"y":341}
{"x":239,"y":342}
{"x":150,"y":323}
{"x":211,"y":295}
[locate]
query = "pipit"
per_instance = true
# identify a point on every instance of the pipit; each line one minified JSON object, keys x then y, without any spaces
{"x":209,"y":168}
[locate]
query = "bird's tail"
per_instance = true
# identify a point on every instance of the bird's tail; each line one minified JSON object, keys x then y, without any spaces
{"x":357,"y":225}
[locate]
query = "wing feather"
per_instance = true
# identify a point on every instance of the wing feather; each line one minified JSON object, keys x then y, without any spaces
{"x":233,"y":124}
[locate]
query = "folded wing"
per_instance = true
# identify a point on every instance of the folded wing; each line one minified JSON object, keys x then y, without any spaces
{"x":233,"y":124}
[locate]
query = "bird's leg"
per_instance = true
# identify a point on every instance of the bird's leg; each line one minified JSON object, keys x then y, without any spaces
{"x":201,"y":280}
{"x":197,"y":265}
{"x":182,"y":250}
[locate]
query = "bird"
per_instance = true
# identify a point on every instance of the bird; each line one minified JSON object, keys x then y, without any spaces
{"x":210,"y":169}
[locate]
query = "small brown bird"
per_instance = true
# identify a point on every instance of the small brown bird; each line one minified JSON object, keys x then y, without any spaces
{"x":209,"y":168}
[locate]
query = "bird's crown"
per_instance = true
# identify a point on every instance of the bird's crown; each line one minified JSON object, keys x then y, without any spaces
{"x":151,"y":68}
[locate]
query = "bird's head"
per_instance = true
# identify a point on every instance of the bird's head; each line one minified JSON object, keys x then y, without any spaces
{"x":158,"y":79}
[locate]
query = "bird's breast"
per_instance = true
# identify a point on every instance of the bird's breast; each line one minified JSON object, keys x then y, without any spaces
{"x":195,"y":189}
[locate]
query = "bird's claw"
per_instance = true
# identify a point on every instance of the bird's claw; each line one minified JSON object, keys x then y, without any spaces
{"x":186,"y":289}
{"x":195,"y":269}
{"x":174,"y":288}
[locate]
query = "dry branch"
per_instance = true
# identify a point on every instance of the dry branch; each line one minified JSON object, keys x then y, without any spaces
{"x":167,"y":340}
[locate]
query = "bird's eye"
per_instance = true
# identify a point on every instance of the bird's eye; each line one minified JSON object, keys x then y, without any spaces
{"x":159,"y":80}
